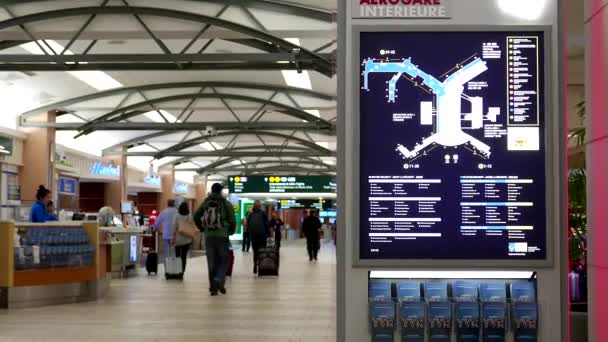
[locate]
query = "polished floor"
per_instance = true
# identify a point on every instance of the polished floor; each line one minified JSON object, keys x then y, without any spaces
{"x":298,"y":306}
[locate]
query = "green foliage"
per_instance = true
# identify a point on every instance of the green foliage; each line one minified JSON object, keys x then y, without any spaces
{"x":577,"y":199}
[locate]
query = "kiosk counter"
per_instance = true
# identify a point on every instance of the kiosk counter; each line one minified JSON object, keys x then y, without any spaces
{"x":52,"y":263}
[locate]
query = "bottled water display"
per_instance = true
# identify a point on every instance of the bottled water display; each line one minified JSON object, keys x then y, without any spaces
{"x":41,"y":248}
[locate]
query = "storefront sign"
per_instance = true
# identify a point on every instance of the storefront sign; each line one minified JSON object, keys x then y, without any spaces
{"x":152,"y":180}
{"x":410,"y":9}
{"x":102,"y":169}
{"x":282,"y":184}
{"x":181,"y":188}
{"x":6,"y":146}
{"x":67,"y":185}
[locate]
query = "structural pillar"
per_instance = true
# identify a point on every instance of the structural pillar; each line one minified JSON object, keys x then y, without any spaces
{"x":167,"y":186}
{"x":596,"y":75}
{"x":116,"y":192}
{"x":38,"y":158}
{"x":200,"y":190}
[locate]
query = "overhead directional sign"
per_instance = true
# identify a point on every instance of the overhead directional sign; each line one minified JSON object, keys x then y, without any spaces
{"x":282,"y":184}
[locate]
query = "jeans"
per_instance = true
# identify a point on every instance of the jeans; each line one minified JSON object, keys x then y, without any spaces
{"x":246,"y":241}
{"x":313,"y":245}
{"x":166,"y":249}
{"x":258,"y":241}
{"x":217,"y":261}
{"x":182,"y":252}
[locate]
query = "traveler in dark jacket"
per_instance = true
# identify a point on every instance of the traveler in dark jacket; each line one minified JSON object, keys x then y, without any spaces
{"x":310,"y":228}
{"x":275,"y":228}
{"x":217,"y":240}
{"x":257,"y":224}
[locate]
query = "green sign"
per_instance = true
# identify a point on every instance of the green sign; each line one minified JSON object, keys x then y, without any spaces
{"x":281,"y":184}
{"x":306,"y":204}
{"x":6,"y":146}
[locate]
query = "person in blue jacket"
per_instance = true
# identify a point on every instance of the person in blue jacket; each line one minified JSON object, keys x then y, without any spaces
{"x":39,"y":212}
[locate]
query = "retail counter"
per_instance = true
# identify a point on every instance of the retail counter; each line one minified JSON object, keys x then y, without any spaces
{"x":51,"y":263}
{"x":126,"y":249}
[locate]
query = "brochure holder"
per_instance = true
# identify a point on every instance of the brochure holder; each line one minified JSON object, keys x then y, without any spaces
{"x":381,"y":311}
{"x":409,"y":291}
{"x":524,"y":312}
{"x":468,"y":323}
{"x":436,"y":291}
{"x":440,"y":321}
{"x":494,"y":321}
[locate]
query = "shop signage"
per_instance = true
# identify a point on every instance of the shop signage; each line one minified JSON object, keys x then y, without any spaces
{"x":306,"y":204}
{"x":181,"y":188}
{"x":152,"y":180}
{"x":409,"y":9}
{"x":102,"y":169}
{"x":67,"y":185}
{"x":6,"y":146}
{"x":282,"y":184}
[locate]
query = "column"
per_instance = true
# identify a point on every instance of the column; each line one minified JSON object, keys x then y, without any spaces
{"x":38,"y":156}
{"x":200,"y":190}
{"x":596,"y":70}
{"x":116,"y":192}
{"x":167,"y":186}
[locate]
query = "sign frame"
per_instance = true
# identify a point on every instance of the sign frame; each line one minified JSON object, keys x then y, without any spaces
{"x":551,"y":126}
{"x":231,"y":185}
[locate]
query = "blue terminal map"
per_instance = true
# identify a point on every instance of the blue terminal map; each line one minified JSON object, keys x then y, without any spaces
{"x":452,"y":150}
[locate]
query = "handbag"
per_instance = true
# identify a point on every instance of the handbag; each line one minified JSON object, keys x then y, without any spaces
{"x":187,"y":229}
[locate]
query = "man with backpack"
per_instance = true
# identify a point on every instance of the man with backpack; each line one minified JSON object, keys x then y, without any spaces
{"x":257,"y":224}
{"x":215,"y":217}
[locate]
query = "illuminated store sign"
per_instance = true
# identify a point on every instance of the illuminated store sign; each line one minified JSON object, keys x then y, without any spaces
{"x":152,"y":180}
{"x":181,"y":188}
{"x":411,"y":9}
{"x":102,"y":169}
{"x":452,"y":146}
{"x":282,"y":184}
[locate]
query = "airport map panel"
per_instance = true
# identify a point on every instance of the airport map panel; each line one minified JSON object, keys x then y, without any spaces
{"x":452,"y":145}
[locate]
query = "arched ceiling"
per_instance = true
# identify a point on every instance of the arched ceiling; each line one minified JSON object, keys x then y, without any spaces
{"x":244,"y":85}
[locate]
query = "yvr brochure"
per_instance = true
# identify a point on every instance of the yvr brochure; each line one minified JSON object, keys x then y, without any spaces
{"x":408,"y":291}
{"x":379,"y":290}
{"x":436,"y":291}
{"x":465,"y":291}
{"x":382,"y":319}
{"x":494,"y":318}
{"x":412,"y":316}
{"x":525,"y":321}
{"x":493,"y":292}
{"x":523,"y":291}
{"x":468,"y":324}
{"x":440,"y":321}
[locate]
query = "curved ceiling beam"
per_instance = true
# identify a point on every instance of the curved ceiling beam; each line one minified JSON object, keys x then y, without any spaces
{"x":177,"y":85}
{"x":307,"y":160}
{"x":267,"y":5}
{"x":324,"y":66}
{"x":196,"y":141}
{"x":130,"y":111}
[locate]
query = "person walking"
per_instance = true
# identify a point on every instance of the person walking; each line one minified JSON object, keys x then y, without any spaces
{"x":275,"y":228}
{"x":257,"y":223}
{"x":165,"y":224}
{"x":246,"y":236}
{"x":182,"y":243}
{"x":310,"y":228}
{"x":215,"y":217}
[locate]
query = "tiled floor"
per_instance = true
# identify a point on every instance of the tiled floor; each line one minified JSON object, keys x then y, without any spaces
{"x":297,"y":306}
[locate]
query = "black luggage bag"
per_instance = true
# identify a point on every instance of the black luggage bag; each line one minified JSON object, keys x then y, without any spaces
{"x":152,"y":263}
{"x":268,"y":261}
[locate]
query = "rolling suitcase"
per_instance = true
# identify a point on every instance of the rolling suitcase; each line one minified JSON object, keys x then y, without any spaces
{"x":268,"y":260}
{"x":230,"y":262}
{"x":173,"y":266}
{"x":152,"y":263}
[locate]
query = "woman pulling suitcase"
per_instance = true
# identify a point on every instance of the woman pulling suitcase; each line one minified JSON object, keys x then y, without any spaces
{"x":183,"y":235}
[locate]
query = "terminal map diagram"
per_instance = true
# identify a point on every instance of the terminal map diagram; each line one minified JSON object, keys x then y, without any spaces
{"x":443,"y":109}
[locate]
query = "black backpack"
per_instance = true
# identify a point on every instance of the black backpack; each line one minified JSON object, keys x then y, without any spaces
{"x":255,"y":223}
{"x":212,"y":216}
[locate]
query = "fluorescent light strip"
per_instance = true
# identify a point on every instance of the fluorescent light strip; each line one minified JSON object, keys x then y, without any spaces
{"x":450,"y":275}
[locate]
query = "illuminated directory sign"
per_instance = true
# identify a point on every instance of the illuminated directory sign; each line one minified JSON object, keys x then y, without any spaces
{"x":282,"y":184}
{"x":452,"y":146}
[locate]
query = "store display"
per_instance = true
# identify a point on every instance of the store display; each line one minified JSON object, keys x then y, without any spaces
{"x":40,"y":248}
{"x":453,"y":144}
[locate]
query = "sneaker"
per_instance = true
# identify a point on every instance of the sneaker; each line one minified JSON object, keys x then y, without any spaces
{"x":223,"y":290}
{"x":213,"y":293}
